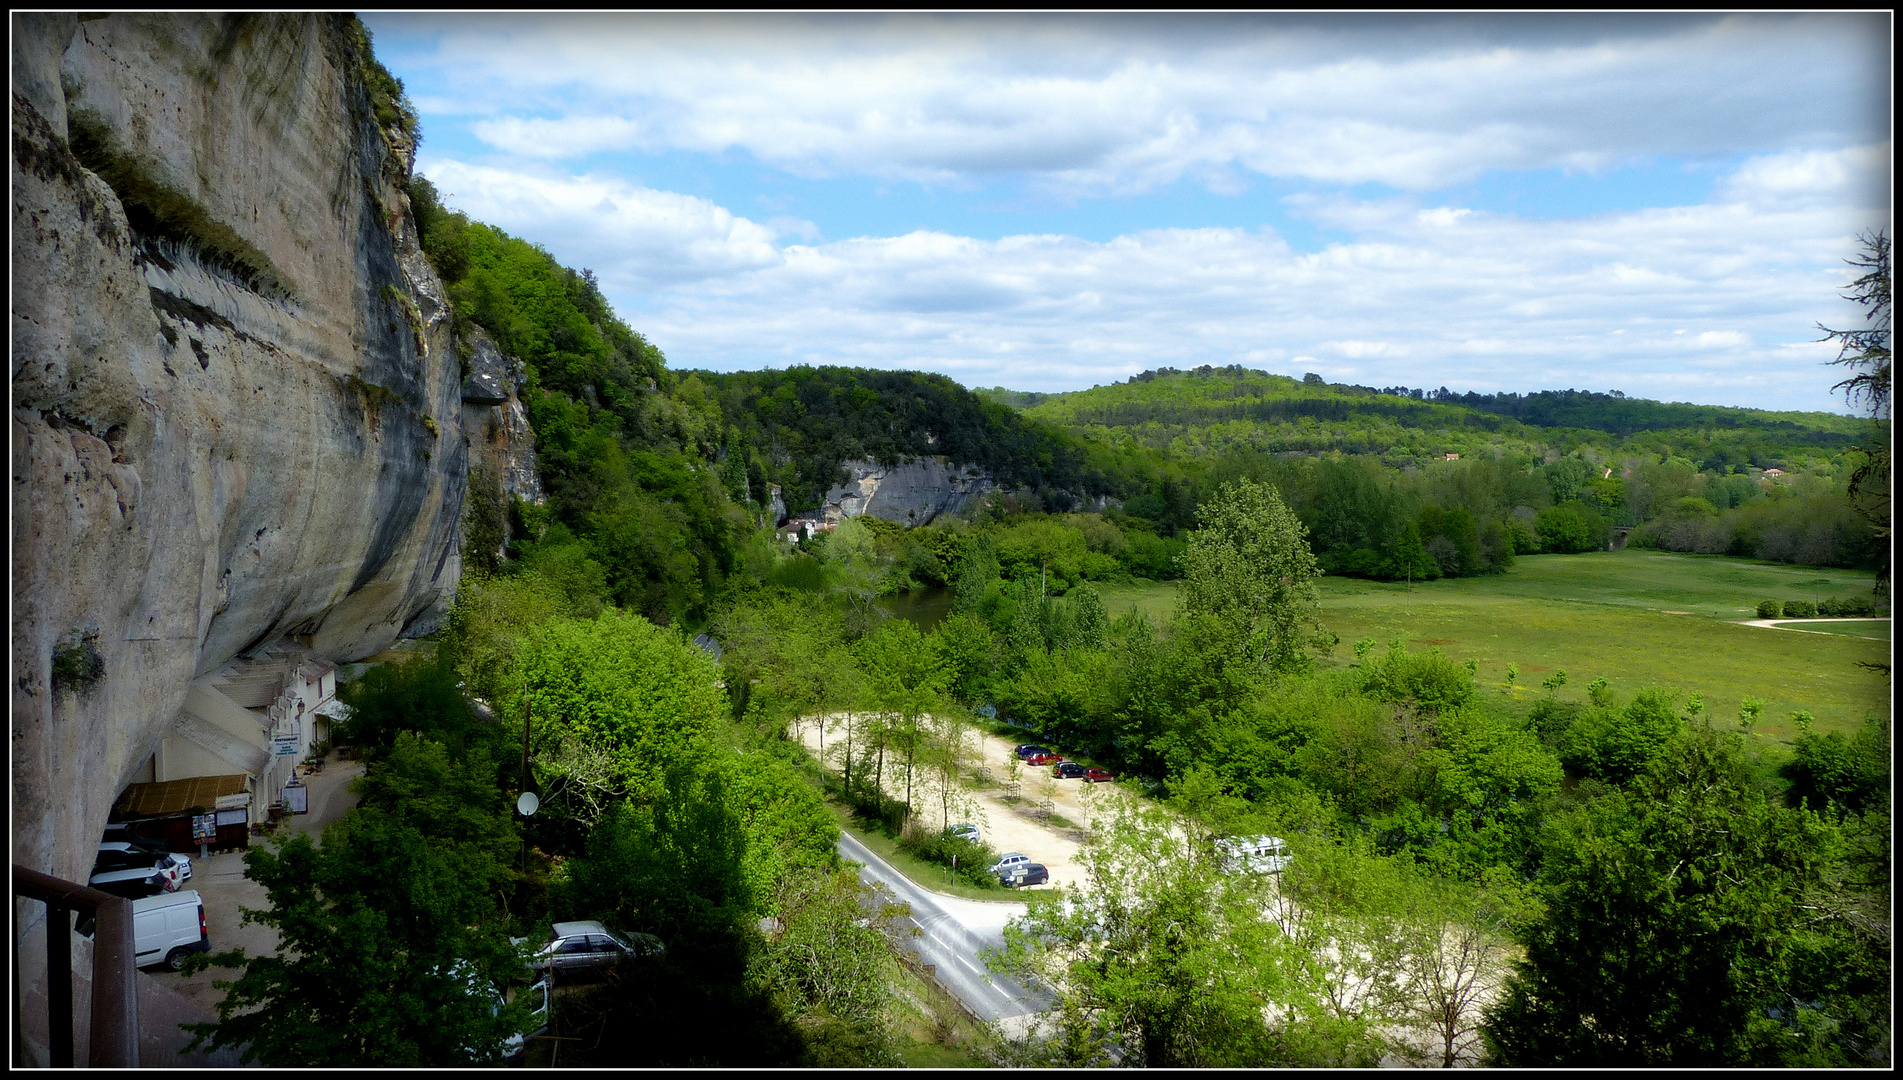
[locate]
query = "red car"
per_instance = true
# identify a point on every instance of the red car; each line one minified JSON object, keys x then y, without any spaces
{"x":1071,"y":770}
{"x":1036,"y":760}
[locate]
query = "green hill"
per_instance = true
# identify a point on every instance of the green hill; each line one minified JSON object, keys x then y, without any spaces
{"x":1210,"y":410}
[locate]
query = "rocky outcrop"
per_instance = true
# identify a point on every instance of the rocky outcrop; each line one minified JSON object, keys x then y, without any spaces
{"x":493,"y":417}
{"x":912,"y":492}
{"x":237,"y":402}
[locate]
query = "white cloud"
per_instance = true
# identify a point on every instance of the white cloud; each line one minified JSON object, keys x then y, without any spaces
{"x":1097,"y":105}
{"x":1707,"y":303}
{"x":636,"y":239}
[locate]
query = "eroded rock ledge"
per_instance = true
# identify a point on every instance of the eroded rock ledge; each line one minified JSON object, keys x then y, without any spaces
{"x":238,"y":406}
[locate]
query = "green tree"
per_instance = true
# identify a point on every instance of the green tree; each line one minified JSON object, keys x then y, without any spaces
{"x":1250,"y":567}
{"x":1167,"y":954}
{"x":906,"y":680}
{"x":614,"y":702}
{"x":1570,"y":528}
{"x":1866,"y":351}
{"x":392,"y":937}
{"x":1675,"y":929}
{"x":828,"y":965}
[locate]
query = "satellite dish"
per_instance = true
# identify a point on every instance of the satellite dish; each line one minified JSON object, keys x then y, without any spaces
{"x":527,"y":803}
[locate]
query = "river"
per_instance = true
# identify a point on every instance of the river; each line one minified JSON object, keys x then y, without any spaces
{"x":924,"y":607}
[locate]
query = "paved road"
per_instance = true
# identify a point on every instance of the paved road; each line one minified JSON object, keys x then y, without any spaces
{"x":955,"y":932}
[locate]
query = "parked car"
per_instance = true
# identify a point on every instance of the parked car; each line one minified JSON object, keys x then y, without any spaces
{"x":121,"y":832}
{"x":1010,"y":862}
{"x":1094,"y":775}
{"x":1028,"y":750}
{"x":516,"y":1048}
{"x":137,"y":874}
{"x":169,"y":927}
{"x":585,"y":949}
{"x":166,"y":928}
{"x":1040,"y":760}
{"x":1029,"y":873}
{"x":122,"y":854}
{"x":1259,"y":854}
{"x":964,"y":830}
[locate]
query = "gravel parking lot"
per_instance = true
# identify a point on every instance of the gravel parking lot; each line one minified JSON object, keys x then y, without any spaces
{"x":220,"y":880}
{"x":1006,"y":824}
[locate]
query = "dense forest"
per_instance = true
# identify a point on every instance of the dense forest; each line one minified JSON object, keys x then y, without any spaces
{"x":794,"y":427}
{"x":1400,"y":483}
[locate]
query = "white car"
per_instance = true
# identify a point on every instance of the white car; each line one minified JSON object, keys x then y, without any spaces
{"x":1010,"y":861}
{"x":965,"y":831}
{"x":136,"y":852}
{"x":137,"y":874}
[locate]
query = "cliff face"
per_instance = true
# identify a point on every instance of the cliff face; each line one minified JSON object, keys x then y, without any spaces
{"x":237,"y":402}
{"x":911,"y":493}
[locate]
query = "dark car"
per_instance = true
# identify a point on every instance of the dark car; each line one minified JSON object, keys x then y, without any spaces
{"x":1017,"y":877}
{"x":1068,"y":770}
{"x":1045,"y":758}
{"x":1029,"y":750}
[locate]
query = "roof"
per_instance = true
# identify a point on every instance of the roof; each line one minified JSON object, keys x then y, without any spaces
{"x":177,"y":796}
{"x":314,"y":669}
{"x":571,"y":929}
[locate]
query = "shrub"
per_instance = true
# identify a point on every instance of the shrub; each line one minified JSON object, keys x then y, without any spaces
{"x":974,"y":858}
{"x":1770,"y":609}
{"x":1799,"y":609}
{"x":1848,"y":607}
{"x":77,"y":664}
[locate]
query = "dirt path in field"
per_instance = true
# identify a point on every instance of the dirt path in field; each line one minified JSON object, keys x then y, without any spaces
{"x":1784,"y":624}
{"x":1005,"y":823}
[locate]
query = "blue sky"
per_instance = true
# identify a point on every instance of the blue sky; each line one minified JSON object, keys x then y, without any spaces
{"x":1659,"y":205}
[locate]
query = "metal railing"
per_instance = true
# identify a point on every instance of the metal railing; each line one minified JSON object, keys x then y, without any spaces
{"x":115,"y":1007}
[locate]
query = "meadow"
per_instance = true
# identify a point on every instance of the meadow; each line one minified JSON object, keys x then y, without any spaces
{"x":1636,"y":618}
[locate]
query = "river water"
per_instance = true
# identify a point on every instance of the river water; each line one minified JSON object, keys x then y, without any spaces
{"x":924,"y":607}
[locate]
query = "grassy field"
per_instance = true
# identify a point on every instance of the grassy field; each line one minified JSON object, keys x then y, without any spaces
{"x":1636,"y":618}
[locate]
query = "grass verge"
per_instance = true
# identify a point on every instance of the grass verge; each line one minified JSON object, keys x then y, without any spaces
{"x":922,"y":873}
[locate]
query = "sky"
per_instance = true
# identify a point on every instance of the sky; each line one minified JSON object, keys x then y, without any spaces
{"x":1661,"y":205}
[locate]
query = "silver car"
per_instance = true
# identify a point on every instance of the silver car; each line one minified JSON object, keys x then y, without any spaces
{"x":587,"y":948}
{"x":1010,"y":862}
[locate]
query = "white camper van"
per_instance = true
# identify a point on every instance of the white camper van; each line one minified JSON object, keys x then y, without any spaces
{"x":169,"y":927}
{"x":1260,"y":854}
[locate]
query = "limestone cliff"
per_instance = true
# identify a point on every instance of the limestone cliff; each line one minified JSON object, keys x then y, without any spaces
{"x":238,"y":407}
{"x":912,"y":492}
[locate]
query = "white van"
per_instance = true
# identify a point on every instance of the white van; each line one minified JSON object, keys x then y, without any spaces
{"x":1261,"y":854}
{"x":169,"y":927}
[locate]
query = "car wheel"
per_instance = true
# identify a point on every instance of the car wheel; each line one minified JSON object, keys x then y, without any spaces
{"x":175,"y":960}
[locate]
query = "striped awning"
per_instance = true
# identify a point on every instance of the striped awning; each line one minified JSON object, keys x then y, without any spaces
{"x":177,"y":796}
